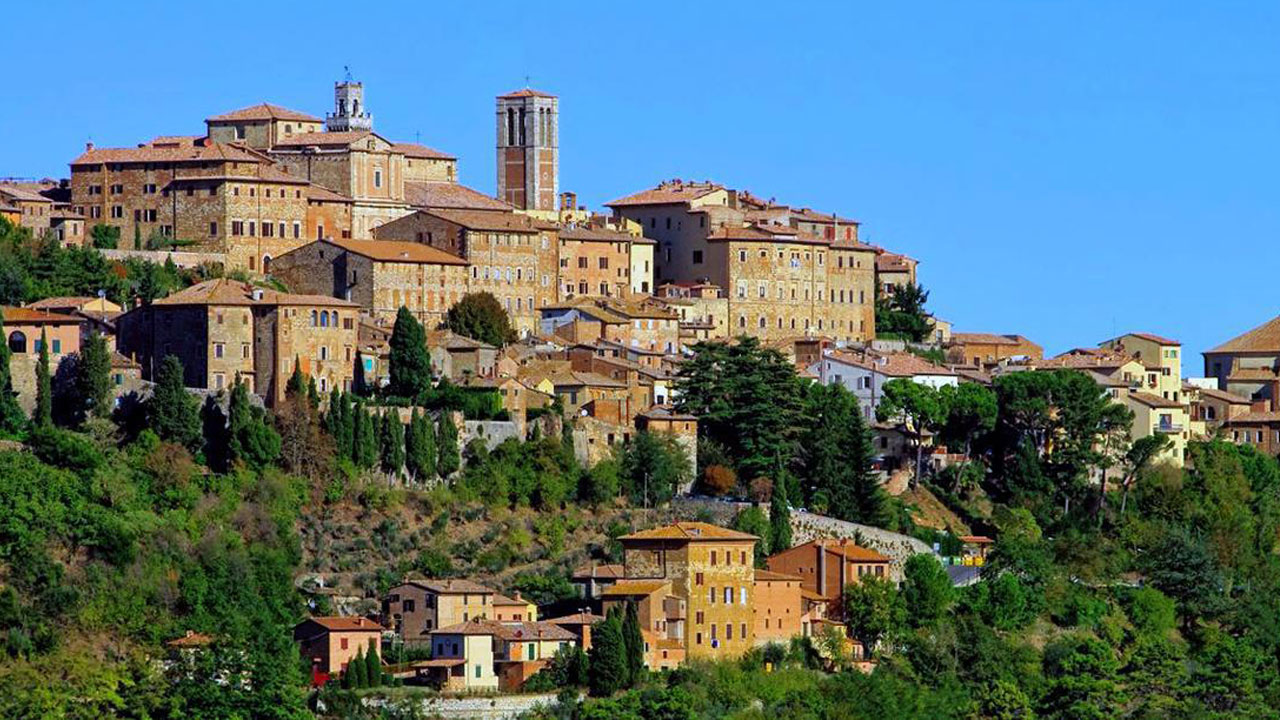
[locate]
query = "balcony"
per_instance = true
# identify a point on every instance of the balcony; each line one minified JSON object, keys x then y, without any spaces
{"x":1168,"y":427}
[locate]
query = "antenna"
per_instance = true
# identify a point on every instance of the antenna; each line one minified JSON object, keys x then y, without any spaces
{"x":346,"y":69}
{"x":526,"y":82}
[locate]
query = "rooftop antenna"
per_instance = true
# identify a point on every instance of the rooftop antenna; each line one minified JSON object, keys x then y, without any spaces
{"x":526,"y":82}
{"x":346,"y":69}
{"x":417,"y":136}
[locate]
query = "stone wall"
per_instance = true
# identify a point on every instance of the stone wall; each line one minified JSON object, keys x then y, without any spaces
{"x":182,"y":259}
{"x":898,"y":547}
{"x":496,"y":707}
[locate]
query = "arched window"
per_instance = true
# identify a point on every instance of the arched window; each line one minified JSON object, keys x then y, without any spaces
{"x":17,"y":341}
{"x":511,"y":126}
{"x":266,"y":260}
{"x":315,"y":316}
{"x":324,"y":318}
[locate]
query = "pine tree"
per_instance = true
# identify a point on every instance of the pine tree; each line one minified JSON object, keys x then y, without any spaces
{"x":409,"y":365}
{"x":634,"y":643}
{"x":448,"y":457}
{"x":174,"y":413}
{"x":93,"y":376}
{"x":392,"y":443}
{"x":43,"y":414}
{"x":779,"y":517}
{"x":606,"y":673}
{"x":12,"y":419}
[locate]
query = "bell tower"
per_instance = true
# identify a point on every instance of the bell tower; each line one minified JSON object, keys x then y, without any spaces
{"x":528,"y":130}
{"x":348,"y":107}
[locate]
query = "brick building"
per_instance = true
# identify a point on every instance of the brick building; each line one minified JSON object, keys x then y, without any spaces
{"x":712,"y":570}
{"x":784,"y":270}
{"x":778,"y":607}
{"x":826,"y":567}
{"x":511,"y":255}
{"x":329,"y":643}
{"x":635,"y":323}
{"x":528,"y":162}
{"x":222,"y":328}
{"x":594,"y":261}
{"x":379,"y":275}
{"x":415,"y":608}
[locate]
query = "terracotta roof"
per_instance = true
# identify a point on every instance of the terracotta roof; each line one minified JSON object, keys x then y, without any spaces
{"x":896,"y":364}
{"x":264,"y":173}
{"x":72,"y":301}
{"x":191,"y":640}
{"x":22,"y":194}
{"x":211,"y":152}
{"x":1254,"y":416}
{"x":634,"y":587}
{"x":397,"y":251}
{"x":121,"y":361}
{"x":769,"y":575}
{"x":1087,"y":360}
{"x":439,"y":663}
{"x":453,"y":587}
{"x":1151,"y":338}
{"x":1154,"y":401}
{"x":324,"y":194}
{"x":850,"y":550}
{"x":449,"y":195}
{"x":665,"y":412}
{"x":451,"y":340}
{"x":777,"y":233}
{"x":813,"y":216}
{"x":500,"y":599}
{"x":498,"y":221}
{"x":976,"y":539}
{"x":521,"y":631}
{"x":811,"y":595}
{"x":27,"y":316}
{"x":1264,"y":338}
{"x":470,"y":627}
{"x":668,"y":193}
{"x":224,"y":291}
{"x":186,"y":140}
{"x":346,"y":624}
{"x":582,"y":618}
{"x":963,"y":338}
{"x":691,"y":531}
{"x":595,"y":235}
{"x":414,"y":150}
{"x":328,"y":139}
{"x":600,"y":572}
{"x":264,"y":111}
{"x":893,"y":262}
{"x":1224,"y":396}
{"x":526,"y":92}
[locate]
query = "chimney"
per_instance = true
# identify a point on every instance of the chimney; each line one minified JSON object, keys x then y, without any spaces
{"x":257,"y":294}
{"x":88,"y":146}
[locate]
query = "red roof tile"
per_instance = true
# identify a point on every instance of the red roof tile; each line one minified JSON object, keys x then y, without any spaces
{"x":263,"y":111}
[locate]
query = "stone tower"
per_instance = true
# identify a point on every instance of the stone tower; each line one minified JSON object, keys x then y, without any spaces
{"x":528,"y":125}
{"x":348,"y":108}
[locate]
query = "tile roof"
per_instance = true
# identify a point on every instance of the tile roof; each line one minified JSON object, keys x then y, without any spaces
{"x":328,"y":139}
{"x":415,"y":150}
{"x":893,"y":262}
{"x":849,"y":550}
{"x":1149,"y":337}
{"x":963,"y":338}
{"x":691,"y":531}
{"x":1077,"y":360}
{"x":121,"y":361}
{"x":526,"y":92}
{"x":600,"y":572}
{"x":397,"y":251}
{"x":71,"y":301}
{"x":1264,"y":338}
{"x":895,"y":364}
{"x":581,"y":618}
{"x":224,"y":291}
{"x":756,"y":233}
{"x":1254,"y":416}
{"x":324,"y":194}
{"x":589,"y":234}
{"x":1154,"y":401}
{"x":500,"y":599}
{"x":668,"y":193}
{"x":536,"y":630}
{"x":470,"y":627}
{"x":22,"y":194}
{"x":770,"y":576}
{"x":346,"y":623}
{"x":28,"y":316}
{"x":211,"y":152}
{"x":500,"y":221}
{"x":450,"y":340}
{"x":453,"y":587}
{"x":1224,"y":396}
{"x":665,"y":412}
{"x":630,"y":588}
{"x":1252,"y":374}
{"x":447,"y":195}
{"x":264,"y":111}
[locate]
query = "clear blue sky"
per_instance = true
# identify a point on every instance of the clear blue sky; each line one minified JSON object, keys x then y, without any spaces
{"x":1062,"y":170}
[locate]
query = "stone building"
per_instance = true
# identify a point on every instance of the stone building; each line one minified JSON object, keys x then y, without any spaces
{"x":894,"y":271}
{"x":595,"y":261}
{"x":349,"y":111}
{"x":511,"y":255}
{"x":222,"y":328}
{"x":222,"y":197}
{"x":981,"y":350}
{"x":260,"y":126}
{"x":329,"y":214}
{"x":380,"y":276}
{"x":784,"y":270}
{"x":713,"y":570}
{"x":414,"y":608}
{"x":24,"y":327}
{"x":635,"y":323}
{"x":35,"y":211}
{"x":528,"y":128}
{"x":329,"y":643}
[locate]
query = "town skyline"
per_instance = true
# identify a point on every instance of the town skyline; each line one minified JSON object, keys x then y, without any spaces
{"x":1018,"y":154}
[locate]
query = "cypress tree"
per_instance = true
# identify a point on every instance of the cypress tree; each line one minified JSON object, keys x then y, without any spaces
{"x":420,"y":447}
{"x":333,"y":414}
{"x":373,"y":666}
{"x":359,"y":671}
{"x":297,"y":381}
{"x":448,"y":457}
{"x":93,"y":376}
{"x":412,"y":443}
{"x":365,"y":438}
{"x":344,"y":436}
{"x":606,"y":673}
{"x":634,"y":643}
{"x":313,"y":393}
{"x":392,"y":443}
{"x":42,"y":416}
{"x":174,"y":413}
{"x":409,"y":365}
{"x":12,"y":419}
{"x":779,"y":517}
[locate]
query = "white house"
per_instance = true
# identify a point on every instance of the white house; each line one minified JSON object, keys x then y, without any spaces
{"x":864,"y":373}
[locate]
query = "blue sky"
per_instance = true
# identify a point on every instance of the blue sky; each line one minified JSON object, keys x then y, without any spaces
{"x":1064,"y":170}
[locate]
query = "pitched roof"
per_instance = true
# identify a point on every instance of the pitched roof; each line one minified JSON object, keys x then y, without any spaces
{"x":28,"y":316}
{"x":691,"y":531}
{"x":778,"y":233}
{"x":1083,"y":360}
{"x":210,"y":152}
{"x":895,"y":364}
{"x":581,"y":618}
{"x":849,"y":550}
{"x":22,"y":194}
{"x":324,"y":194}
{"x":328,"y":139}
{"x":1264,"y":338}
{"x":225,"y":291}
{"x":451,"y":340}
{"x":1154,"y":401}
{"x":526,"y":92}
{"x":486,"y":219}
{"x":470,"y":627}
{"x":964,"y":338}
{"x":893,"y":262}
{"x":415,"y":150}
{"x":665,"y":412}
{"x":447,"y":195}
{"x":668,"y":193}
{"x":263,"y":111}
{"x":345,"y":623}
{"x":634,"y":587}
{"x":453,"y":587}
{"x":1254,"y":416}
{"x":397,"y":251}
{"x":1224,"y":396}
{"x":600,"y":572}
{"x":769,"y":575}
{"x":1149,"y":337}
{"x":589,"y":234}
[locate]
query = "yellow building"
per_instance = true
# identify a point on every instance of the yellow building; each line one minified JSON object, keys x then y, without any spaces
{"x":713,"y":570}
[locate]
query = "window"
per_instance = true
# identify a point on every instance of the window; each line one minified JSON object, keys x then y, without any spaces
{"x":604,"y":263}
{"x":728,"y":596}
{"x":343,"y":643}
{"x":742,"y":256}
{"x":728,"y":631}
{"x":377,"y":182}
{"x":711,"y":596}
{"x":697,"y":579}
{"x":742,"y":596}
{"x":699,"y":617}
{"x":217,"y":350}
{"x":713,"y":558}
{"x":213,"y":229}
{"x":697,"y":257}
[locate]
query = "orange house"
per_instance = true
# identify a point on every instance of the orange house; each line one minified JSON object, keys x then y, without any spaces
{"x":331,"y":642}
{"x":779,"y":607}
{"x":827,"y":566}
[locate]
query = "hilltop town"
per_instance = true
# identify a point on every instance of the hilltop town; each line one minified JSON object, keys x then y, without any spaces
{"x":284,"y":394}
